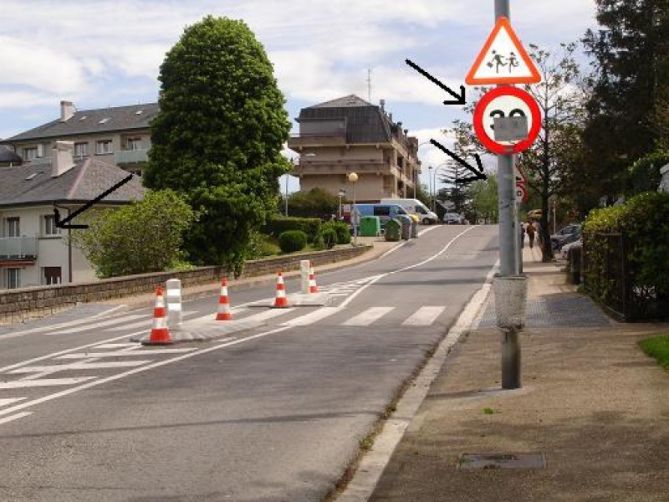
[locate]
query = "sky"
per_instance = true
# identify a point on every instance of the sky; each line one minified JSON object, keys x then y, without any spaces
{"x":100,"y":53}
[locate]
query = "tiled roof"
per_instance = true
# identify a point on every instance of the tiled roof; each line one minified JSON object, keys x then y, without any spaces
{"x":93,"y":121}
{"x":365,"y":122}
{"x":85,"y":181}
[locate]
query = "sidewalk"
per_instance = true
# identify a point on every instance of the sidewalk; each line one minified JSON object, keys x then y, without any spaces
{"x":592,"y":403}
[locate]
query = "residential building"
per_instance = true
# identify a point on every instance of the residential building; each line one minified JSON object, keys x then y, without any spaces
{"x":119,"y":136}
{"x":348,"y":135}
{"x":33,"y":251}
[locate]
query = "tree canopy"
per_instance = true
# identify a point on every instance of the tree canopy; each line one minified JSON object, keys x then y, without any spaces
{"x":218,"y":136}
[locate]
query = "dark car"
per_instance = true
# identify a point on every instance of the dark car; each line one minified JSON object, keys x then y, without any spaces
{"x":570,"y":233}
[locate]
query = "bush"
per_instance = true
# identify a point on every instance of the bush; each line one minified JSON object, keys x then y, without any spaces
{"x":316,"y":203}
{"x":329,"y":236}
{"x":280,"y":224}
{"x":341,"y":230}
{"x":261,"y":245}
{"x":143,"y":236}
{"x":292,"y":240}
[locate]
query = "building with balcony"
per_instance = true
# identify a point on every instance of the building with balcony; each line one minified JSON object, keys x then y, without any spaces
{"x":348,"y":135}
{"x":33,"y":250}
{"x":119,"y":136}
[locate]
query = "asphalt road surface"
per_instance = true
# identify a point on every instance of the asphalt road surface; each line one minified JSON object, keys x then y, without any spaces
{"x":274,"y":413}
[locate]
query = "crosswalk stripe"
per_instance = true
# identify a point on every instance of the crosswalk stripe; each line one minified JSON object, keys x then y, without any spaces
{"x":268,"y":314}
{"x":145,"y":322}
{"x":312,"y":317}
{"x":10,"y":400}
{"x":124,"y":353}
{"x":102,"y":324}
{"x":368,"y":316}
{"x":44,"y":382}
{"x":14,"y":417}
{"x":80,"y":366}
{"x":424,"y":316}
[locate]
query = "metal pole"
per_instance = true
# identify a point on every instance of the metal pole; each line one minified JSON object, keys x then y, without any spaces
{"x":508,"y":239}
{"x":414,"y":181}
{"x":355,"y":227}
{"x":286,"y":195}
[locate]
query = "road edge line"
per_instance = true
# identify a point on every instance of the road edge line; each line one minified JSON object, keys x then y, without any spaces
{"x":372,"y":463}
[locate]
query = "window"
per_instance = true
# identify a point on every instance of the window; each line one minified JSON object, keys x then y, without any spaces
{"x":134,"y":143}
{"x":30,"y":153}
{"x":381,"y":210}
{"x":80,"y":149}
{"x":13,"y":278}
{"x":420,"y":210}
{"x":50,"y":227}
{"x":51,"y":275}
{"x":13,"y":227}
{"x":103,"y":146}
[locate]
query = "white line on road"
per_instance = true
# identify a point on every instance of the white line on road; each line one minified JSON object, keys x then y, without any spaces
{"x":10,"y":400}
{"x":102,"y":324}
{"x":424,"y":316}
{"x":124,"y":353}
{"x":44,"y":382}
{"x":312,"y":317}
{"x":14,"y":417}
{"x":367,"y":317}
{"x":80,"y":366}
{"x":268,"y":314}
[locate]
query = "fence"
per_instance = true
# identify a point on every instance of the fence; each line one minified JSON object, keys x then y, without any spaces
{"x":609,"y":274}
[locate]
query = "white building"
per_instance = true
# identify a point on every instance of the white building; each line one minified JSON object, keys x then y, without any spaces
{"x":33,"y":251}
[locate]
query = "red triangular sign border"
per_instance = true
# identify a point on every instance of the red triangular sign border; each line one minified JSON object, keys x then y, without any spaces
{"x":503,"y":23}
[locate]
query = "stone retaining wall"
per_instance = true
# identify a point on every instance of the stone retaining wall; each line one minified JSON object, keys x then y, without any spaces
{"x":17,"y":305}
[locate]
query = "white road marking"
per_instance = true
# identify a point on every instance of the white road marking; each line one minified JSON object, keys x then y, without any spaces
{"x":312,"y":317}
{"x":116,"y":345}
{"x":268,"y":314}
{"x":15,"y":417}
{"x":44,"y":382}
{"x":10,"y":400}
{"x":424,"y":316}
{"x":102,"y":324}
{"x":145,"y":322}
{"x":368,"y":316}
{"x":123,"y":353}
{"x":79,"y":366}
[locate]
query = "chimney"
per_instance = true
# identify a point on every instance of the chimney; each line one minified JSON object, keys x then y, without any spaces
{"x":62,"y":158}
{"x":382,"y":104}
{"x":67,"y":110}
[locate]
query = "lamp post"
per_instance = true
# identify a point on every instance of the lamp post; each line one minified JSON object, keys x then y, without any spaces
{"x":415,"y":173}
{"x":341,"y":194}
{"x":286,"y":196}
{"x":355,"y":217}
{"x":434,"y":183}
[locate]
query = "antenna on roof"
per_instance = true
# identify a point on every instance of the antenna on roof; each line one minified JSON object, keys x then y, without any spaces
{"x":369,"y":84}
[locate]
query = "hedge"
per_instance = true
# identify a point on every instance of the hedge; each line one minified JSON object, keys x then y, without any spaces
{"x":292,"y":241}
{"x":341,"y":229}
{"x":279,"y":224}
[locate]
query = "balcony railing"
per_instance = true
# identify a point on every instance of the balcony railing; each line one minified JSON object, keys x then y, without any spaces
{"x":317,"y":139}
{"x":18,"y":248}
{"x":131,"y":156}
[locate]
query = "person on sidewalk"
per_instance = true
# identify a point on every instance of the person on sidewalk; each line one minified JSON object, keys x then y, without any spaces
{"x":530,"y":233}
{"x":522,"y":235}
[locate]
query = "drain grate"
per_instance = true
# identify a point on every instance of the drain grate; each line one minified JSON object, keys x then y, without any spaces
{"x":476,"y":461}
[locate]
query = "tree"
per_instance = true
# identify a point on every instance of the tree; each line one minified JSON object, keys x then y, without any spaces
{"x":454,"y":190}
{"x":551,"y":159}
{"x":218,"y":137}
{"x":143,"y":236}
{"x":629,"y":89}
{"x":483,"y":200}
{"x":316,"y":203}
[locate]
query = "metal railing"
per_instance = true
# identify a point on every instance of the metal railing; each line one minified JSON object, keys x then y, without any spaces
{"x":18,"y":247}
{"x":131,"y":156}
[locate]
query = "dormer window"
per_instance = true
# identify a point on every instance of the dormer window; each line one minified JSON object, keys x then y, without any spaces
{"x":80,"y":150}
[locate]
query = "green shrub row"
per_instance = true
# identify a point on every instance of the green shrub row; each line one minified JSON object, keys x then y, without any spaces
{"x":280,"y":224}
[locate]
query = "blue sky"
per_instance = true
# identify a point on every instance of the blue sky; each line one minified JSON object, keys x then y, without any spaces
{"x":107,"y":53}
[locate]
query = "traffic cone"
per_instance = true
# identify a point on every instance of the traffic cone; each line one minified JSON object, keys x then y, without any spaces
{"x":223,"y":313}
{"x":160,"y":334}
{"x":313,"y":287}
{"x":280,"y":301}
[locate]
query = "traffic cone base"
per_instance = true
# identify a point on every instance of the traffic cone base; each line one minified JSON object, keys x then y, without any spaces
{"x":280,"y":300}
{"x":223,"y":313}
{"x":160,"y":334}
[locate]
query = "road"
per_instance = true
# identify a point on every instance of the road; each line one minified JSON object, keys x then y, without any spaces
{"x":275,"y":413}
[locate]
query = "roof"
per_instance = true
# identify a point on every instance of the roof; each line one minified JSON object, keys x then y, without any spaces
{"x":8,"y":156}
{"x":84,"y":182}
{"x":365,"y":122}
{"x":93,"y":121}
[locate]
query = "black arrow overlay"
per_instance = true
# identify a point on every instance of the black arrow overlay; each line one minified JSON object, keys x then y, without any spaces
{"x":478,"y":173}
{"x":63,"y":223}
{"x":459,"y":98}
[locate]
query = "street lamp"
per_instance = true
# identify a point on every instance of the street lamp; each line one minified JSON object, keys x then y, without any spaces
{"x":341,"y":194}
{"x":434,"y":183}
{"x":355,"y":217}
{"x":415,"y":173}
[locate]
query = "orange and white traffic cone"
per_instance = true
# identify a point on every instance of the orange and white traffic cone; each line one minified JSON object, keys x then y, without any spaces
{"x":280,"y":301}
{"x":223,"y":313}
{"x":160,"y":334}
{"x":313,"y":287}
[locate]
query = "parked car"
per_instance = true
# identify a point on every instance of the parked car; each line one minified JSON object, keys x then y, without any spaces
{"x":385,"y":212}
{"x":415,"y":207}
{"x":453,"y":219}
{"x":564,"y":251}
{"x":568,"y":234}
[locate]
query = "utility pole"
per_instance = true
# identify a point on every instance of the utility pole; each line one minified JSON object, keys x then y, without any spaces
{"x":508,"y":240}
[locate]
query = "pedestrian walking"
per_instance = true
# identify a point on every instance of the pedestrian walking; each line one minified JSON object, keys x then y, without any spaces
{"x":522,"y":235}
{"x":530,"y":233}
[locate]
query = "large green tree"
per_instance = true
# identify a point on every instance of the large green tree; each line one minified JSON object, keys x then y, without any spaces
{"x":629,"y":89}
{"x":218,"y":136}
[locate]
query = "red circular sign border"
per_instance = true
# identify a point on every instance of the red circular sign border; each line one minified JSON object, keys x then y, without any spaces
{"x":490,"y":143}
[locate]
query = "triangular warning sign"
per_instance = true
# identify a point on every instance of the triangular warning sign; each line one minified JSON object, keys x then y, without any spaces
{"x":503,"y":60}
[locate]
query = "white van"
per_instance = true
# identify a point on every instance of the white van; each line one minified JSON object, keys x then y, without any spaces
{"x":414,"y":206}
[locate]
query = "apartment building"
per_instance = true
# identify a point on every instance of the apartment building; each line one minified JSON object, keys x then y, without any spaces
{"x":119,"y":136}
{"x":348,"y":135}
{"x":33,"y":251}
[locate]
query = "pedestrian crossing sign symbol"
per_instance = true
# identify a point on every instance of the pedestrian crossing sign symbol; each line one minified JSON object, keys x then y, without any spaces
{"x":503,"y":60}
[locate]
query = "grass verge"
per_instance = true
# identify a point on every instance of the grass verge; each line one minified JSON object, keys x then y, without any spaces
{"x":657,"y":347}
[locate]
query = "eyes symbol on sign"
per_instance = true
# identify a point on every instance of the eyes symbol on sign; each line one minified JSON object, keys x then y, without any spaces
{"x":516,"y":112}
